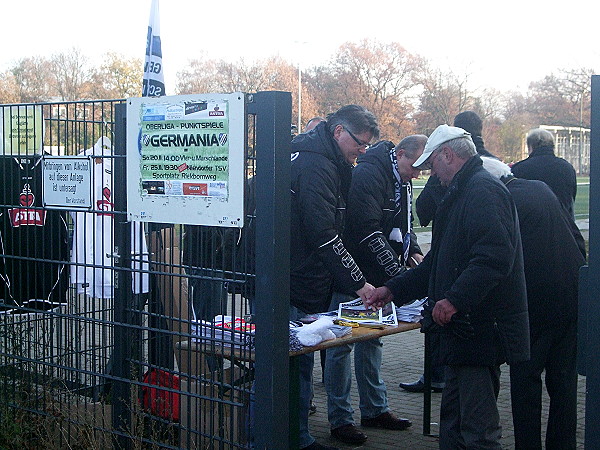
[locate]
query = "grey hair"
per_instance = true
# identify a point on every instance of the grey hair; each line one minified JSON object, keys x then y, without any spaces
{"x":540,"y":138}
{"x":411,"y":145}
{"x":309,"y":126}
{"x":356,"y":118}
{"x":462,"y":146}
{"x":495,"y":167}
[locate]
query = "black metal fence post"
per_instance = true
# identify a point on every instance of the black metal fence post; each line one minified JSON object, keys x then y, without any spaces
{"x":273,"y":111}
{"x":121,"y":388}
{"x":592,"y":340}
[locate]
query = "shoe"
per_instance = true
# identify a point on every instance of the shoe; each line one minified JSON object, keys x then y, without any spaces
{"x":316,"y":446}
{"x":387,"y":421}
{"x":349,"y":434}
{"x":419,"y":386}
{"x":312,"y":409}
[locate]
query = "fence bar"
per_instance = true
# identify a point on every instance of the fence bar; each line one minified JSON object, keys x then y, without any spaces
{"x":121,"y":389}
{"x":273,"y":110}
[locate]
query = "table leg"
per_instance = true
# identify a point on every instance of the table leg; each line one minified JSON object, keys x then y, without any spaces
{"x":427,"y":382}
{"x":294,"y":413}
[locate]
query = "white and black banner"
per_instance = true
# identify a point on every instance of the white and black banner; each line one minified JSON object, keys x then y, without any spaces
{"x":154,"y":80}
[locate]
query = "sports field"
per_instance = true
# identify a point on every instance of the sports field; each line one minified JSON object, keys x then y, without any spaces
{"x":581,"y":201}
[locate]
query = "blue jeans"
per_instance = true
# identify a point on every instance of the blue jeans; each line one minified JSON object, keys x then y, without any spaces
{"x":306,"y":364}
{"x":338,"y":377}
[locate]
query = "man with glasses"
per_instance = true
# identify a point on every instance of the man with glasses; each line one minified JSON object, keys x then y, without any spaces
{"x":474,"y":277}
{"x":379,"y":235}
{"x":321,"y":170}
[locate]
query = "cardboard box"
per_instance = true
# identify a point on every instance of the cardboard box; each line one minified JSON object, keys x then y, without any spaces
{"x":211,"y":414}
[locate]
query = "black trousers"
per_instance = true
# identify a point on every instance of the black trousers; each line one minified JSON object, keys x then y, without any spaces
{"x":555,"y":351}
{"x":469,"y":416}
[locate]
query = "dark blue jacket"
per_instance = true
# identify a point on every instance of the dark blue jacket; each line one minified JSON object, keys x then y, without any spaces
{"x":556,"y":172}
{"x":551,"y":253}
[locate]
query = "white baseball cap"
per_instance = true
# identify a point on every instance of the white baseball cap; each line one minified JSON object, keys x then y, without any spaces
{"x":441,"y":134}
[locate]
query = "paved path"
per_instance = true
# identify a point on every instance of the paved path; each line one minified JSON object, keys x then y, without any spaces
{"x":403,"y":361}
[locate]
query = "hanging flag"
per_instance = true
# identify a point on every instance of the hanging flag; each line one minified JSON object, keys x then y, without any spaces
{"x":154,"y":80}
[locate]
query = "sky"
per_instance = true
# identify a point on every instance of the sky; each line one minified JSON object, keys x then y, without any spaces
{"x":503,"y":45}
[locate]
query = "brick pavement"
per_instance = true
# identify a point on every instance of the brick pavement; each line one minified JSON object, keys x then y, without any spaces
{"x":403,"y":361}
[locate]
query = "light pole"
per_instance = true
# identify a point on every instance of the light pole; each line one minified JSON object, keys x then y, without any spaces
{"x":299,"y":97}
{"x":299,"y":56}
{"x":580,"y":130}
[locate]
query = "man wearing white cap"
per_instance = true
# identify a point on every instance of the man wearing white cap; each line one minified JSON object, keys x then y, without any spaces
{"x":473,"y":276}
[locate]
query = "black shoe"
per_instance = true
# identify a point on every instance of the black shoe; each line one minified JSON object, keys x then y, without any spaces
{"x":419,"y":386}
{"x":316,"y":446}
{"x":312,"y":409}
{"x":349,"y":434}
{"x":387,"y":421}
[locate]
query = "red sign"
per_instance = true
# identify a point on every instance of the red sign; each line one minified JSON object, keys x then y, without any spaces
{"x":195,"y":189}
{"x":24,"y":216}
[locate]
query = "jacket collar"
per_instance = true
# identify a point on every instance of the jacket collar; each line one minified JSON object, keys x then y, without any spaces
{"x":472,"y":165}
{"x":319,"y":140}
{"x":542,"y":151}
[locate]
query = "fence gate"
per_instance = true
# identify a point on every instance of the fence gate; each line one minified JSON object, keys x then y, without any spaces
{"x":114,"y":333}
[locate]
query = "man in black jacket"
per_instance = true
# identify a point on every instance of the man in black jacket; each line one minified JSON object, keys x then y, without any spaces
{"x":474,"y":275}
{"x":552,"y":261}
{"x":379,"y":235}
{"x":426,"y":205}
{"x":321,"y":171}
{"x":432,"y":193}
{"x":542,"y":164}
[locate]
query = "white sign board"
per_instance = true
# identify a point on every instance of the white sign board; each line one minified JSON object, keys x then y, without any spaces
{"x":185,"y":159}
{"x":67,"y":182}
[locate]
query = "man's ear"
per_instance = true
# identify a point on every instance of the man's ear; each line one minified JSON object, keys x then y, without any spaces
{"x":448,"y":154}
{"x":337,"y":131}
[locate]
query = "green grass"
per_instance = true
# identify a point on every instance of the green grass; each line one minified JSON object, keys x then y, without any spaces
{"x":582,"y":201}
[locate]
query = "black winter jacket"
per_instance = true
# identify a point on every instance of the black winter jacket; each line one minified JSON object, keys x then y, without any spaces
{"x":370,"y":216}
{"x":556,"y":172}
{"x":551,"y":254}
{"x":320,"y":179}
{"x":476,"y":262}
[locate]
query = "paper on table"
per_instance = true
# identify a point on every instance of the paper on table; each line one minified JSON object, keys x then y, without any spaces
{"x":411,"y":312}
{"x":355,"y":311}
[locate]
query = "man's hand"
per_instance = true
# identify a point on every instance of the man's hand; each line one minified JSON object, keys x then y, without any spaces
{"x":415,"y":259}
{"x":365,"y":291}
{"x":443,"y":311}
{"x":378,"y":298}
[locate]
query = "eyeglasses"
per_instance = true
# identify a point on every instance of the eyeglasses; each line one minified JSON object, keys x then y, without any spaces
{"x":360,"y":144}
{"x":429,"y":163}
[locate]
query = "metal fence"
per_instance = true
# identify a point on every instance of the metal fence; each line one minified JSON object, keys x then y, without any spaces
{"x":108,"y":335}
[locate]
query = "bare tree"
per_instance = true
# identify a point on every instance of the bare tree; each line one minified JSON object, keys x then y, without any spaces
{"x":562,"y":99}
{"x":8,"y":88}
{"x":376,"y":75}
{"x":444,"y":94}
{"x":117,"y":77}
{"x":577,"y":89}
{"x":222,"y":76}
{"x":71,"y":75}
{"x":204,"y":76}
{"x":32,"y":78}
